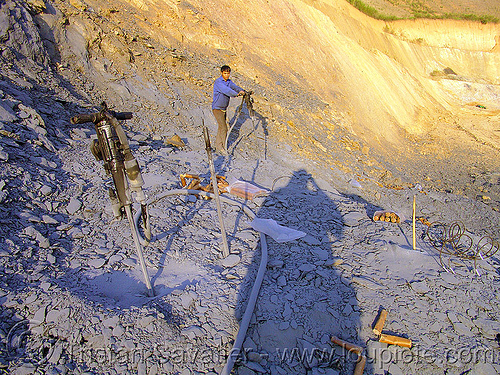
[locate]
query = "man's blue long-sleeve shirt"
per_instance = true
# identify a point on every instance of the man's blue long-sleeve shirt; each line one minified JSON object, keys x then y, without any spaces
{"x":222,"y":91}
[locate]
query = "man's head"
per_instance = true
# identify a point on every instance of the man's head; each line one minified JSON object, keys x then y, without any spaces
{"x":225,"y":71}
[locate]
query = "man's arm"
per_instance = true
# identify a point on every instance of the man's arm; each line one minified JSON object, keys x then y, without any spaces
{"x":226,"y":90}
{"x":236,"y":88}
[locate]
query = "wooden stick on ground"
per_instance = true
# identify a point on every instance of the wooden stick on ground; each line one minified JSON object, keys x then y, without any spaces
{"x":346,"y":345}
{"x":395,"y":340}
{"x":225,"y":246}
{"x":361,"y":362}
{"x":360,"y":365}
{"x":414,"y":210}
{"x":379,"y":326}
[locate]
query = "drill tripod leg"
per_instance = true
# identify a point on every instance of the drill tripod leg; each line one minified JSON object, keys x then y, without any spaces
{"x":225,"y":246}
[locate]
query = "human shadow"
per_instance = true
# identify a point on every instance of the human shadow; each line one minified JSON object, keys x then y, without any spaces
{"x":304,"y":299}
{"x":241,"y":113}
{"x":239,"y":121}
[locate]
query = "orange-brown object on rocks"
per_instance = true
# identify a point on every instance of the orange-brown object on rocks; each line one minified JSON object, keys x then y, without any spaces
{"x":387,"y":216}
{"x":388,"y":339}
{"x":176,"y":141}
{"x":185,"y":176}
{"x":380,"y":323}
{"x":361,"y":362}
{"x":360,"y":365}
{"x":424,"y":221}
{"x":195,"y":183}
{"x":346,"y":345}
{"x":395,"y":340}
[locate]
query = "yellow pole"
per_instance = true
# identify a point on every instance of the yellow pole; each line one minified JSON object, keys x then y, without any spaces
{"x":414,"y":238}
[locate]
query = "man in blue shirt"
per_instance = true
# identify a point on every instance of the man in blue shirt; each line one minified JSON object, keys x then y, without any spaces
{"x":224,"y":88}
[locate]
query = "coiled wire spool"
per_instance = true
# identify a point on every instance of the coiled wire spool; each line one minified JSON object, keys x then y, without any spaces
{"x":453,"y":240}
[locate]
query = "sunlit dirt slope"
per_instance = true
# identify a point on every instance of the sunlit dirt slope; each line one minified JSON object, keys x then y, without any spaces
{"x":400,"y":89}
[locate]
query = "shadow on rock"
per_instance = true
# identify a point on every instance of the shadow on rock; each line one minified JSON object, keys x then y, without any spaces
{"x":304,"y":298}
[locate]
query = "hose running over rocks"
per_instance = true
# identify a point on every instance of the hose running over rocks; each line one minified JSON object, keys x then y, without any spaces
{"x":245,"y":321}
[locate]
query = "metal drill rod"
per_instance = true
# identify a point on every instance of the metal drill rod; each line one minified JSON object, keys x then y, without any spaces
{"x":138,"y":247}
{"x":146,"y":222}
{"x":225,"y":246}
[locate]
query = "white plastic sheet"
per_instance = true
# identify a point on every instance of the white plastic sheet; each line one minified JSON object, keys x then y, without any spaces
{"x":278,"y":232}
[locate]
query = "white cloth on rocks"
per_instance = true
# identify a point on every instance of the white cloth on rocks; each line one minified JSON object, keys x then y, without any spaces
{"x":278,"y":232}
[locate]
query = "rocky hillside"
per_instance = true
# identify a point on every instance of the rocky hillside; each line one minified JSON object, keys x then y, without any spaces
{"x":353,"y":115}
{"x":417,"y":99}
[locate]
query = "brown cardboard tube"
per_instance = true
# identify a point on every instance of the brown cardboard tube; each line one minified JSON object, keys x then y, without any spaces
{"x":360,"y":366}
{"x":379,"y":326}
{"x":346,"y":345}
{"x":395,"y":340}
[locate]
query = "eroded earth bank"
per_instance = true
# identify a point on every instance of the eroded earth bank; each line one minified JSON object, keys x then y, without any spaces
{"x":352,"y":116}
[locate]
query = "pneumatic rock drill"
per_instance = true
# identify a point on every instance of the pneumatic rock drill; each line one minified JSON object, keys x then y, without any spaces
{"x":112,"y":148}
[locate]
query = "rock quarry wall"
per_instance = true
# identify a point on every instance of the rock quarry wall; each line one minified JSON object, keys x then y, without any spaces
{"x":384,"y":81}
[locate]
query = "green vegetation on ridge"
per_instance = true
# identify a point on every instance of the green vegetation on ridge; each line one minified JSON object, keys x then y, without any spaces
{"x":419,"y":10}
{"x":371,"y":11}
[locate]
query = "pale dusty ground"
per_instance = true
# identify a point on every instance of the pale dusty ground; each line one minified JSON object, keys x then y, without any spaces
{"x":340,"y":100}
